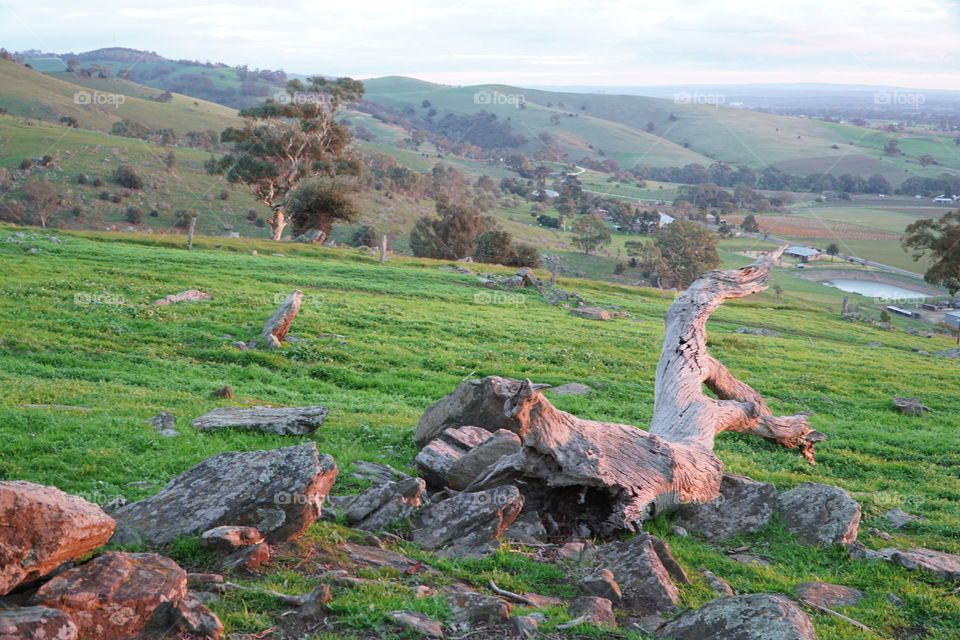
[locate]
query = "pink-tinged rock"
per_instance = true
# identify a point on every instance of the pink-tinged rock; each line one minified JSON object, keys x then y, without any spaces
{"x":36,"y":623}
{"x":43,"y":527}
{"x":115,"y":596}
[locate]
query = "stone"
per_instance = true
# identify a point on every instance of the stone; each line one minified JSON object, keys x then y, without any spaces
{"x":526,"y":529}
{"x":467,"y":524}
{"x":949,"y":353}
{"x":645,"y":570}
{"x":602,"y":585}
{"x":227,"y":538}
{"x":570,"y":389}
{"x":717,"y":584}
{"x":277,"y":326}
{"x":370,"y":556}
{"x":595,"y":611}
{"x":203,"y":580}
{"x":376,"y":472}
{"x":469,"y":606}
{"x":757,"y":332}
{"x":469,"y":466}
{"x":284,"y":421}
{"x":898,"y":518}
{"x":591,"y":313}
{"x":190,"y":295}
{"x":314,"y":603}
{"x":380,"y":505}
{"x":944,"y":566}
{"x":247,"y":558}
{"x":758,"y":616}
{"x":649,"y":624}
{"x":744,"y":505}
{"x":280,"y":492}
{"x":820,"y":514}
{"x":191,"y":616}
{"x":828,"y":595}
{"x":910,"y":406}
{"x":750,"y":559}
{"x":42,"y":528}
{"x":435,"y":459}
{"x":116,"y":595}
{"x":680,"y":532}
{"x":524,"y":626}
{"x":165,"y":423}
{"x":418,"y":622}
{"x":580,"y":552}
{"x":36,"y":623}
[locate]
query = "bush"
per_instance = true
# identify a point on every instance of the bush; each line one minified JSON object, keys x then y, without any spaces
{"x":97,"y":182}
{"x":104,"y":195}
{"x":134,"y":215}
{"x":251,"y":215}
{"x":261,"y":222}
{"x":82,"y":179}
{"x":154,"y":214}
{"x":224,"y":195}
{"x":26,"y":163}
{"x":365,"y":236}
{"x":126,"y":176}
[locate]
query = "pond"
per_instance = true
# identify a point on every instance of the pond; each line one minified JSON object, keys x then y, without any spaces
{"x":880,"y":290}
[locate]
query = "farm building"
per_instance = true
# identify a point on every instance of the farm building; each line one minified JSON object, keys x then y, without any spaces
{"x":952,"y":319}
{"x":804,"y":254}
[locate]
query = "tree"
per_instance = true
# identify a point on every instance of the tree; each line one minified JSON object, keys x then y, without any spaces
{"x":832,"y":250}
{"x":284,"y":142}
{"x":317,"y":202}
{"x":126,"y":176}
{"x":749,"y":224}
{"x":647,"y":257}
{"x":450,"y":236}
{"x":497,"y":246}
{"x":170,"y":160}
{"x":590,"y":233}
{"x":42,"y":199}
{"x":891,"y":148}
{"x":365,"y":236}
{"x":940,"y":240}
{"x":926,"y":160}
{"x":688,"y":250}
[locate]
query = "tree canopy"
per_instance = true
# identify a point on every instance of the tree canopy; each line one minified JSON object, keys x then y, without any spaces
{"x":687,"y":249}
{"x":940,"y":240}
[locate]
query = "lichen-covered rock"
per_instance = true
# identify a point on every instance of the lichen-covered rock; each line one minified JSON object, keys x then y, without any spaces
{"x":378,"y":506}
{"x":42,"y":527}
{"x":467,"y":524}
{"x":434,"y":460}
{"x":645,"y":570}
{"x":602,"y":585}
{"x":828,"y":595}
{"x":228,"y":538}
{"x":36,"y":623}
{"x":469,"y":466}
{"x":757,"y":616}
{"x":469,"y":606}
{"x":280,"y":492}
{"x":743,"y":505}
{"x":591,"y":313}
{"x":820,"y":514}
{"x":418,"y":622}
{"x":284,"y":421}
{"x":593,"y":610}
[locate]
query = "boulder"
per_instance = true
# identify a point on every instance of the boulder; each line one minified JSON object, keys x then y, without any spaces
{"x":191,"y":616}
{"x":378,"y":506}
{"x":831,"y":596}
{"x":524,"y":626}
{"x":116,"y":595}
{"x":910,"y":406}
{"x":42,"y":527}
{"x":418,"y":622}
{"x":944,"y":566}
{"x":820,"y":514}
{"x":645,"y":570}
{"x":758,"y":616}
{"x":569,"y":389}
{"x":469,"y":606}
{"x":190,"y":295}
{"x":470,"y":465}
{"x":717,"y":584}
{"x":229,"y":538}
{"x":280,"y":492}
{"x":247,"y":558}
{"x":899,"y":518}
{"x":277,"y":326}
{"x":434,"y":460}
{"x":467,"y":524}
{"x":526,"y":529}
{"x":376,"y":472}
{"x":593,"y":610}
{"x":743,"y":505}
{"x":591,"y":313}
{"x":165,"y":423}
{"x":371,"y":556}
{"x":602,"y":585}
{"x":284,"y":421}
{"x":36,"y":623}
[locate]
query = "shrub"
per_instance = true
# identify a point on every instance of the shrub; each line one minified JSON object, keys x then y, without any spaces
{"x":251,"y":215}
{"x":134,"y":215}
{"x":224,"y":195}
{"x":82,"y":179}
{"x":98,"y":182}
{"x":126,"y":176}
{"x":365,"y":236}
{"x":26,"y":163}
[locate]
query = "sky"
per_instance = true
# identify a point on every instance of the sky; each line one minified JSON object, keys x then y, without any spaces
{"x":908,"y":43}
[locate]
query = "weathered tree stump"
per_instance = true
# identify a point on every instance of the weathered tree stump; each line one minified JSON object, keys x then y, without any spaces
{"x":275,"y":330}
{"x":598,"y":478}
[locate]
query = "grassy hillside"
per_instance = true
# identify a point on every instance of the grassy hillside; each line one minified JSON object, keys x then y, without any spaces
{"x":93,"y":102}
{"x":77,"y":329}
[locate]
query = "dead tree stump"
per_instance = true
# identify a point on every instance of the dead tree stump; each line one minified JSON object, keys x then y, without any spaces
{"x":597,"y":478}
{"x":276,"y":328}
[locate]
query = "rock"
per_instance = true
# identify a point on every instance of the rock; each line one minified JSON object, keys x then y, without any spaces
{"x":248,"y":557}
{"x":240,"y":344}
{"x":114,"y":504}
{"x":595,"y":611}
{"x":42,"y":528}
{"x":467,"y":524}
{"x":526,"y":529}
{"x":280,"y":492}
{"x":203,"y":580}
{"x":227,"y":538}
{"x":883,"y":535}
{"x":314,"y":603}
{"x":910,"y":406}
{"x":36,"y":623}
{"x":284,"y":421}
{"x":434,"y":460}
{"x":277,"y":326}
{"x":576,"y":551}
{"x":469,"y":606}
{"x":311,"y":236}
{"x":750,"y":559}
{"x":591,"y":313}
{"x":680,"y":532}
{"x":820,"y":514}
{"x":875,"y":344}
{"x":570,"y":389}
{"x":828,"y":595}
{"x":898,"y":518}
{"x":524,"y":626}
{"x":743,"y":505}
{"x":649,"y":624}
{"x":757,"y":332}
{"x":376,"y":472}
{"x":165,"y":424}
{"x":717,"y":584}
{"x":949,"y":353}
{"x":190,"y":295}
{"x":378,"y":506}
{"x":944,"y":566}
{"x":602,"y":585}
{"x":115,"y":595}
{"x":371,"y":556}
{"x":645,"y":570}
{"x":896,"y":601}
{"x":757,"y":616}
{"x":469,"y":466}
{"x":416,"y":621}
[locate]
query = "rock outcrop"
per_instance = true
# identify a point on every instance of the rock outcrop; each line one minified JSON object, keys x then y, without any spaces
{"x":467,"y":524}
{"x":758,"y":616}
{"x":284,"y":421}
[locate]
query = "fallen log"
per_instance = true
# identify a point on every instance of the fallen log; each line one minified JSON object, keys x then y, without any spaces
{"x":599,"y":477}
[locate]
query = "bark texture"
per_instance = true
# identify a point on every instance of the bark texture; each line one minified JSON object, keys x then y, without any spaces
{"x":277,"y":327}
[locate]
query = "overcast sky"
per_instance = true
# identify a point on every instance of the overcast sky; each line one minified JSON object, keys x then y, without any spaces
{"x":912,"y":43}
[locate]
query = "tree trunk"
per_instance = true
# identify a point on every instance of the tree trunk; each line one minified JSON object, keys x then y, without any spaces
{"x":595,"y":478}
{"x":278,"y":325}
{"x":278,"y":224}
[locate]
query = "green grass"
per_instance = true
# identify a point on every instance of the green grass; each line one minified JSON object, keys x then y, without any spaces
{"x":412,"y":333}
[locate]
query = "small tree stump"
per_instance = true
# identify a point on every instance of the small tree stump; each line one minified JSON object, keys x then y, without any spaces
{"x":278,"y":326}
